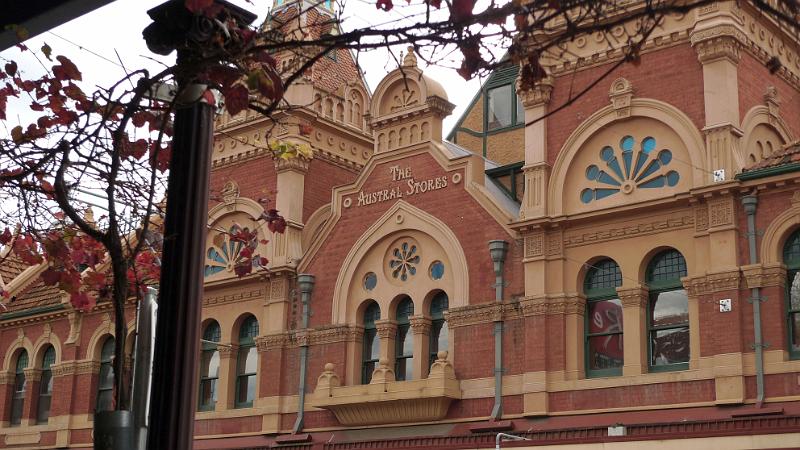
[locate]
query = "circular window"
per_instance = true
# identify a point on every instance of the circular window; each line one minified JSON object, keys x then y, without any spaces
{"x":370,"y":281}
{"x":437,"y":270}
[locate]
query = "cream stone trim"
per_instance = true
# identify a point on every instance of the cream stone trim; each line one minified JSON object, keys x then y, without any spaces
{"x":314,"y":225}
{"x":763,"y":115}
{"x":603,"y":118}
{"x":777,"y":232}
{"x":238,"y":204}
{"x":759,"y":275}
{"x":21,"y":342}
{"x":24,"y":279}
{"x":415,"y":220}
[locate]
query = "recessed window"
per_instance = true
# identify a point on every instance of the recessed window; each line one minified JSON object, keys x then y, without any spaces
{"x":46,"y":386}
{"x":439,"y":330}
{"x":371,"y":346}
{"x":791,"y":257}
{"x":404,"y":342}
{"x":105,"y":384}
{"x":668,"y":312}
{"x":437,"y":270}
{"x":18,"y":396}
{"x":604,"y":351}
{"x":209,"y":367}
{"x":503,"y":108}
{"x":247,"y":364}
{"x":370,"y":281}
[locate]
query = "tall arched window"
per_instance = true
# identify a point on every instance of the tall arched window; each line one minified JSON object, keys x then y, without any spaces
{"x":247,"y":364}
{"x":404,"y":341}
{"x":45,"y":386}
{"x":791,"y":257}
{"x":105,"y":385}
{"x":604,"y":350}
{"x":439,"y":331}
{"x":668,"y":312}
{"x":372,"y":344}
{"x":209,"y":367}
{"x":18,"y":396}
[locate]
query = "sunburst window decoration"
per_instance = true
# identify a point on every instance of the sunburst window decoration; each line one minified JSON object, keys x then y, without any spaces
{"x":404,"y":260}
{"x":629,"y":168}
{"x":226,"y":251}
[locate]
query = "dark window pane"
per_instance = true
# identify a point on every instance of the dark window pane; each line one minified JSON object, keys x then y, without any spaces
{"x":605,"y":316}
{"x":794,"y":323}
{"x":404,"y":369}
{"x":669,"y":346}
{"x":667,"y":266}
{"x":209,"y":364}
{"x":405,"y":309}
{"x":106,"y":380}
{"x":499,"y":108}
{"x":16,"y":410}
{"x":605,"y":352}
{"x":405,"y":341}
{"x":794,"y":291}
{"x":249,"y":330}
{"x":791,"y":250}
{"x":603,"y":274}
{"x":43,"y":409}
{"x":669,"y":308}
{"x":247,"y":390}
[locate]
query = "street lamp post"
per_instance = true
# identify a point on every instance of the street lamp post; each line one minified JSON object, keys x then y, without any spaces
{"x":174,"y":392}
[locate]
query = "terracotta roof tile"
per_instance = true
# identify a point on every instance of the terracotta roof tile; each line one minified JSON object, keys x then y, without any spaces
{"x":787,"y":155}
{"x":34,"y":296}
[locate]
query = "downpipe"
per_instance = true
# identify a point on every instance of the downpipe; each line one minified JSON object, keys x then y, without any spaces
{"x":305,"y":283}
{"x":498,"y":250}
{"x":749,"y":203}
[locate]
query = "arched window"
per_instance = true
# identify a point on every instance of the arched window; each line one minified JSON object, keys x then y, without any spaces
{"x":247,"y":364}
{"x":105,"y":385}
{"x":439,"y":331}
{"x":372,"y":345}
{"x":667,"y":312}
{"x":604,"y":351}
{"x":45,"y":386}
{"x":404,"y":341}
{"x":791,"y":257}
{"x":18,"y":396}
{"x":209,"y":367}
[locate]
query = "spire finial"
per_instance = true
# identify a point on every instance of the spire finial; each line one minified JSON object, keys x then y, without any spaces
{"x":411,"y":59}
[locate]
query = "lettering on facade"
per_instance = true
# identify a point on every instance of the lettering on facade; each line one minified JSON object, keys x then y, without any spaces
{"x":407,"y":187}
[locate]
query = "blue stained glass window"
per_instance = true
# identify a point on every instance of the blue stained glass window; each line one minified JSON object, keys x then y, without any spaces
{"x":437,"y":270}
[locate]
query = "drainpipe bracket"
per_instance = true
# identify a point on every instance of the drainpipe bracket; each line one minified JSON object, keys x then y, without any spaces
{"x":764,"y":345}
{"x":761,"y":299}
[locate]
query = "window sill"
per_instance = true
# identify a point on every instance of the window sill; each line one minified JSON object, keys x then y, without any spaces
{"x":669,"y":368}
{"x":385,"y":400}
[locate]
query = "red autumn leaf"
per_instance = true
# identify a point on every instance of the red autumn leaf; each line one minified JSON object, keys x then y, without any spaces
{"x":237,"y":97}
{"x":265,"y":58}
{"x":37,"y":107}
{"x":16,"y":134}
{"x":435,"y":3}
{"x":278,"y":225}
{"x":80,"y":301}
{"x":208,"y":96}
{"x":385,"y":5}
{"x":263,"y":261}
{"x":74,"y":92}
{"x":51,"y":277}
{"x":224,"y":76}
{"x":66,"y":70}
{"x":263,"y":241}
{"x":6,"y":237}
{"x":461,"y":10}
{"x":160,"y":157}
{"x":242,"y":269}
{"x":198,"y":6}
{"x":11,"y":68}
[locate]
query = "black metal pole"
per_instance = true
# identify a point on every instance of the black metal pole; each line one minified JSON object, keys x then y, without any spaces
{"x":174,"y":396}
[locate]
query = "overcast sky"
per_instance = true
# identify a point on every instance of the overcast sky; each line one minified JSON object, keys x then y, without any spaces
{"x":94,"y":40}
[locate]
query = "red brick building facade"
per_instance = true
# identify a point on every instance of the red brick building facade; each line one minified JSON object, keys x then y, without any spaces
{"x":624,"y":272}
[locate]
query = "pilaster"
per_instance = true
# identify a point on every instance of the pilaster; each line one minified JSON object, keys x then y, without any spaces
{"x":421,"y":327}
{"x":287,"y":247}
{"x":226,"y":385}
{"x":574,"y":340}
{"x":387,"y":332}
{"x":634,"y":326}
{"x":536,"y":170}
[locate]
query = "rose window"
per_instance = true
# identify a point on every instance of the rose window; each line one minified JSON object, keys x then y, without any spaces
{"x":627,"y":168}
{"x":224,"y":252}
{"x":403,"y":261}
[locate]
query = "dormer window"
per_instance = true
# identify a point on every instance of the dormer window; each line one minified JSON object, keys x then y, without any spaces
{"x":503,"y":108}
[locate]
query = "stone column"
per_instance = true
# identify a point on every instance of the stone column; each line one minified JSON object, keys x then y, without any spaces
{"x":226,"y":384}
{"x":717,"y":38}
{"x":421,"y":327}
{"x":634,"y":329}
{"x":6,"y":391}
{"x":536,"y":169}
{"x":355,"y":349}
{"x":387,"y":332}
{"x":287,"y":247}
{"x":575,"y":341}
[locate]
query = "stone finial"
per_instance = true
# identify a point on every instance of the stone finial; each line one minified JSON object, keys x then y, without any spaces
{"x":383,"y":373}
{"x":621,"y":93}
{"x":327,"y":381}
{"x":88,"y":216}
{"x":410,"y":59}
{"x":772,"y":101}
{"x":442,"y":368}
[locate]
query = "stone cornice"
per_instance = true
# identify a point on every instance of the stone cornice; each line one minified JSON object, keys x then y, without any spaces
{"x":575,"y":239}
{"x":757,"y":275}
{"x":538,"y":95}
{"x":633,"y":296}
{"x":387,"y":328}
{"x":273,"y":341}
{"x":420,"y":325}
{"x":551,"y":305}
{"x":719,"y":42}
{"x":231,"y":297}
{"x":712,"y":282}
{"x":313,"y":336}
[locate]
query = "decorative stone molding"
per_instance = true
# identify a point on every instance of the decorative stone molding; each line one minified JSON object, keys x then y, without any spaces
{"x":273,"y":341}
{"x":230,"y":192}
{"x":554,"y":243}
{"x":722,"y":146}
{"x":334,"y":334}
{"x":473,"y":314}
{"x":67,"y":368}
{"x":228,"y":351}
{"x":720,"y":42}
{"x":277,"y":289}
{"x":387,"y":328}
{"x":621,"y":93}
{"x":23,"y":438}
{"x":711,"y":283}
{"x":301,"y":338}
{"x":537,"y":95}
{"x":551,"y":305}
{"x":632,"y":297}
{"x":420,"y":325}
{"x":574,"y":240}
{"x":773,"y":104}
{"x":233,"y":297}
{"x":534,"y":200}
{"x":720,"y":212}
{"x":701,"y":218}
{"x":32,"y":374}
{"x":385,"y":400}
{"x":534,"y":244}
{"x":7,"y":378}
{"x":757,"y":275}
{"x":298,"y":164}
{"x":87,"y":367}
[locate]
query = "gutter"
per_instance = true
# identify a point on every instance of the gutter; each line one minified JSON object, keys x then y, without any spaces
{"x":498,"y":250}
{"x":305,"y":283}
{"x":31,"y":312}
{"x":768,"y":171}
{"x":749,"y":203}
